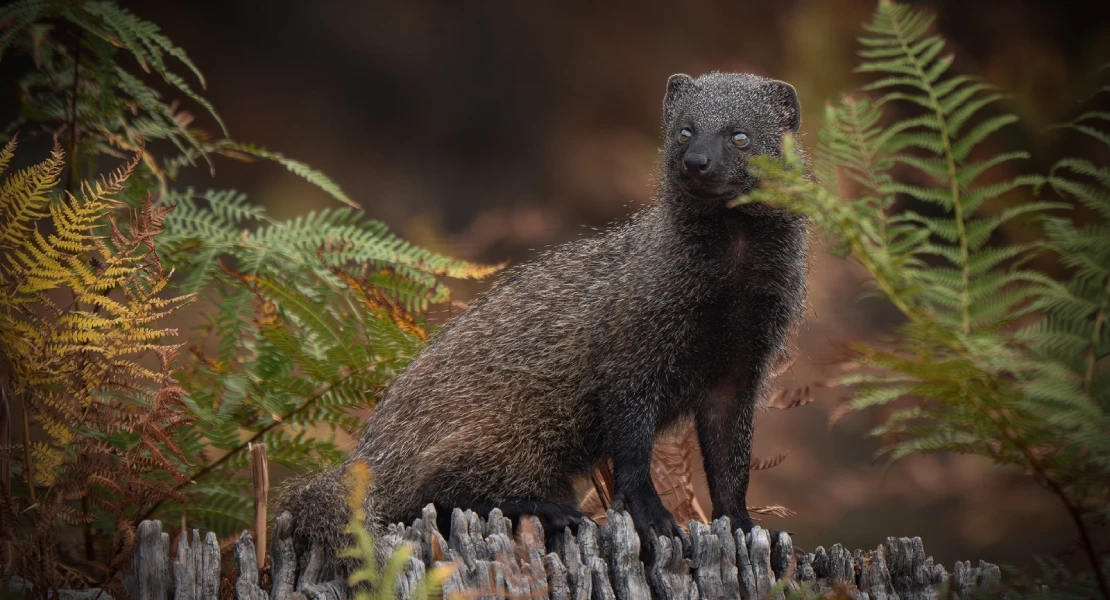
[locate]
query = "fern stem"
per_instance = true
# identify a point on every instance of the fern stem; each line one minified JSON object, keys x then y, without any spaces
{"x":28,"y":467}
{"x":1006,"y":430}
{"x":89,"y":532}
{"x":1088,"y":546}
{"x":86,"y":506}
{"x":950,"y":162}
{"x":73,"y":113}
{"x":863,"y":255}
{"x":5,"y":441}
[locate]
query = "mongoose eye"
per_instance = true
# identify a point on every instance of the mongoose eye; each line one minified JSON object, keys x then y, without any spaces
{"x":685,"y":135}
{"x":741,"y":139}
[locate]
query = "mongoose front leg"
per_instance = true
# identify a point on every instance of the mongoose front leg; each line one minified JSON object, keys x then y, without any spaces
{"x":725,"y":426}
{"x":631,"y":440}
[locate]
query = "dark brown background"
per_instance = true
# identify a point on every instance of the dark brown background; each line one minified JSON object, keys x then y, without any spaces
{"x":488,"y":130}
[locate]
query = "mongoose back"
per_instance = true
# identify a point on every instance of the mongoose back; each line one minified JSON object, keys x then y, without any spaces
{"x":590,"y":351}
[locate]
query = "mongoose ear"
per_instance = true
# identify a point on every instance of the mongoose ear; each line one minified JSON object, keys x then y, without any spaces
{"x":677,"y":85}
{"x":783,"y":100}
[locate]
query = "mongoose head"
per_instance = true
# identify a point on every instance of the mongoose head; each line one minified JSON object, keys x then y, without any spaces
{"x":714,"y":123}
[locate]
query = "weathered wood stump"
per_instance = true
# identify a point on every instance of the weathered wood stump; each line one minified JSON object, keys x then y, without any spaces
{"x":599,"y":563}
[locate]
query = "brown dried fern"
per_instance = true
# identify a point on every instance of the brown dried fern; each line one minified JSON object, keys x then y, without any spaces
{"x":80,"y":302}
{"x":672,"y":471}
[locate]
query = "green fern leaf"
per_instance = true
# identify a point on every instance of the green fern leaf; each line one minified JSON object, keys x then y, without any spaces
{"x":296,"y":167}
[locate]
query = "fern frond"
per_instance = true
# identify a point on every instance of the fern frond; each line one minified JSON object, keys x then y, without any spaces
{"x":142,"y":38}
{"x":219,"y":509}
{"x":16,"y":17}
{"x":25,"y":196}
{"x":82,"y":369}
{"x":6,"y":155}
{"x":960,"y":375}
{"x":293,"y":166}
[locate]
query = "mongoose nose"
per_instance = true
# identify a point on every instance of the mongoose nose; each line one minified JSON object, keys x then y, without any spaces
{"x":695,"y":164}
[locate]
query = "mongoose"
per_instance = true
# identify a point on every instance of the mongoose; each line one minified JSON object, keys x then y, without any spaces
{"x":590,"y":351}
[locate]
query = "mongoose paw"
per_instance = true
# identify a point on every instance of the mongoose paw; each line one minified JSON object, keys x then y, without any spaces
{"x":742,"y":521}
{"x":774,"y":533}
{"x":746,"y":524}
{"x":650,"y":518}
{"x":556,"y":517}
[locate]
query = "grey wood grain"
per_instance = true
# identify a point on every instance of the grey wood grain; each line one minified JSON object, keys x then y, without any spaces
{"x":495,"y":560}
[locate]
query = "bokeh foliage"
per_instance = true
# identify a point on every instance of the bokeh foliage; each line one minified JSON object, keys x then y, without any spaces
{"x":994,"y":357}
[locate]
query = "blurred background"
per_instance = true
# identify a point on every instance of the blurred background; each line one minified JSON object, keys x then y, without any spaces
{"x":490,"y":130}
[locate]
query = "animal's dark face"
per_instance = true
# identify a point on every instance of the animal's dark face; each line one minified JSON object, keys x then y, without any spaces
{"x":714,"y":123}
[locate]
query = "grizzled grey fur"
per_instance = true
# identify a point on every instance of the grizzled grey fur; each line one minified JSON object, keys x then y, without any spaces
{"x":594,"y":348}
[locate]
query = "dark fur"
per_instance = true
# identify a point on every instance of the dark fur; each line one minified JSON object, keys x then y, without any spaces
{"x":594,"y":348}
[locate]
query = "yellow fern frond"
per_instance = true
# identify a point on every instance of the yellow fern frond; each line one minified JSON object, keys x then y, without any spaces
{"x":18,"y":338}
{"x":359,"y":478}
{"x":6,"y":155}
{"x":79,"y":313}
{"x":25,"y":195}
{"x":46,"y":460}
{"x":60,"y":433}
{"x":103,"y":189}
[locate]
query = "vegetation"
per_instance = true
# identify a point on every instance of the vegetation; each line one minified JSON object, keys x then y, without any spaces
{"x":305,"y":319}
{"x":80,"y":307}
{"x":366,"y":580}
{"x":994,"y":358}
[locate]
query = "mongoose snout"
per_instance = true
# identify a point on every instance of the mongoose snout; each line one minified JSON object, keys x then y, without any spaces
{"x":695,"y":164}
